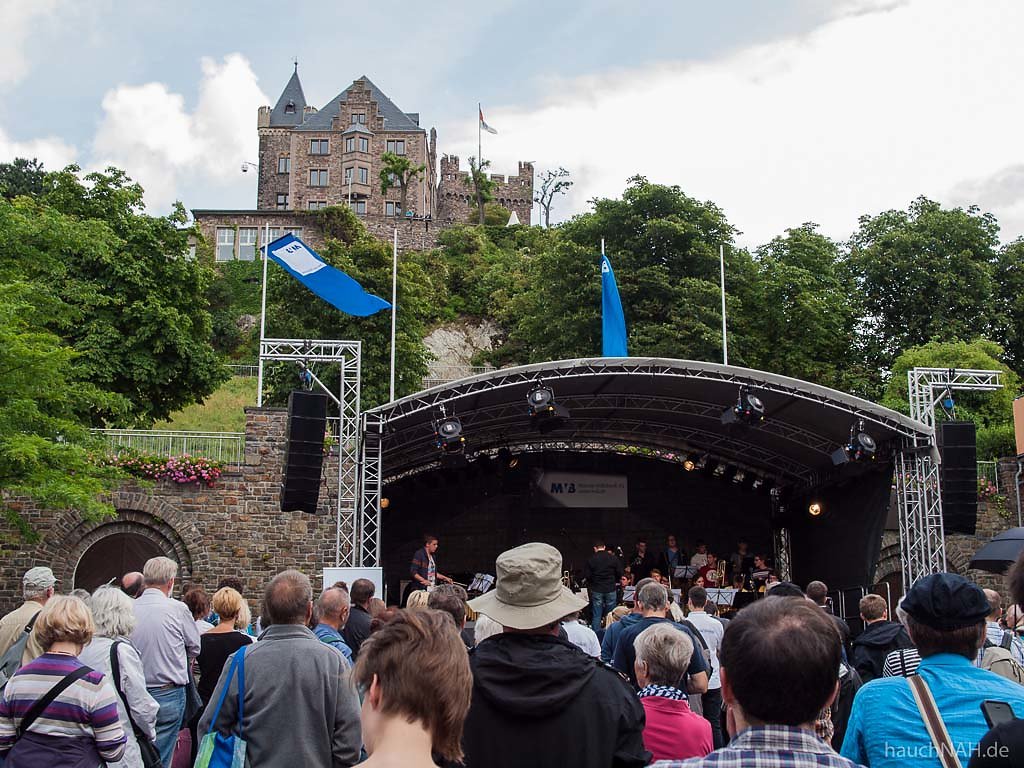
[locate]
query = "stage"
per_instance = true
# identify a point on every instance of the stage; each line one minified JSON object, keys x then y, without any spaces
{"x":651,"y":434}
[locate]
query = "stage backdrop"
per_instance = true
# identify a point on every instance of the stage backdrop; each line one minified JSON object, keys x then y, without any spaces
{"x":580,"y":490}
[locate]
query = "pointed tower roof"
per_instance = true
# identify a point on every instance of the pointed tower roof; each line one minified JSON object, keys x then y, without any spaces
{"x":394,"y":118}
{"x":290,"y":108}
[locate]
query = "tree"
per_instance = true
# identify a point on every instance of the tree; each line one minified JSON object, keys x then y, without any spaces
{"x":134,"y":307}
{"x":1009,"y":288}
{"x":21,"y":177}
{"x":398,"y":170}
{"x":552,"y":183}
{"x":992,"y":412}
{"x":923,"y":274}
{"x":482,"y":186}
{"x":45,"y":450}
{"x":806,"y":320}
{"x":292,"y":312}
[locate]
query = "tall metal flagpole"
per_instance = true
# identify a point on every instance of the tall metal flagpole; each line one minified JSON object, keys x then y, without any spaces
{"x":263,"y":313}
{"x":725,"y":339}
{"x":394,"y":310}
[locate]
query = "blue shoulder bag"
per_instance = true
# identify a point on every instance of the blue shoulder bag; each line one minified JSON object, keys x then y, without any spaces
{"x":217,"y":750}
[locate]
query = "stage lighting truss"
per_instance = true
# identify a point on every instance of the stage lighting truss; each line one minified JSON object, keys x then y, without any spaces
{"x":749,"y":409}
{"x":860,"y":447}
{"x":545,"y":414}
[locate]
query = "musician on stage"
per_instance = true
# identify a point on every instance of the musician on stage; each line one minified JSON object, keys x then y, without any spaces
{"x":711,"y":572}
{"x":423,"y":569}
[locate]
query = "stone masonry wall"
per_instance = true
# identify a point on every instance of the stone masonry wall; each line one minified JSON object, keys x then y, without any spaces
{"x":455,"y":198}
{"x":233,"y":528}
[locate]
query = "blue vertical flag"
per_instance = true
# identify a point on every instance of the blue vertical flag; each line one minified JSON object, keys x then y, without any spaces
{"x":613,"y":322}
{"x":330,"y":284}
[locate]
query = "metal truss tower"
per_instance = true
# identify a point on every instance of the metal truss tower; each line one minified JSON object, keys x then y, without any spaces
{"x":918,"y":486}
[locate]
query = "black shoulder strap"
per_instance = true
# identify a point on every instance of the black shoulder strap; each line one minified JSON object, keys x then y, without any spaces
{"x":32,"y":621}
{"x":41,"y":704}
{"x":115,"y":673}
{"x":1007,"y":641}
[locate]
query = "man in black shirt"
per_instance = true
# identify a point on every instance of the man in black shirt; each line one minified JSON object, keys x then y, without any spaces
{"x":603,"y":571}
{"x":357,"y":628}
{"x":642,"y":561}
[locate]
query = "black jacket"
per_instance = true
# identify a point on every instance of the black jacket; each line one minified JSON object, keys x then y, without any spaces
{"x":356,"y":629}
{"x":603,"y":571}
{"x":872,"y":645}
{"x":540,"y":701}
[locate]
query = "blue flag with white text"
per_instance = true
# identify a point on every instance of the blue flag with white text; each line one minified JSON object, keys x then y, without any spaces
{"x":330,"y":284}
{"x":613,"y":322}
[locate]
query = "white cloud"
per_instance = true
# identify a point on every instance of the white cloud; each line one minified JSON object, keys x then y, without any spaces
{"x":150,"y":132}
{"x":17,"y":18}
{"x":884,"y":102}
{"x":52,"y":152}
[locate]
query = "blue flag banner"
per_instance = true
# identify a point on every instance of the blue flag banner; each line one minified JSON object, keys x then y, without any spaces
{"x":330,"y":284}
{"x":613,"y":322}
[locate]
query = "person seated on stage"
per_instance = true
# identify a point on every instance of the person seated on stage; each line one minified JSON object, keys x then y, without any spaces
{"x":671,"y":557}
{"x":700,"y":558}
{"x":627,"y":577}
{"x":656,"y":574}
{"x":672,"y":731}
{"x":699,"y":582}
{"x":710,"y":571}
{"x":739,"y":583}
{"x":759,"y":574}
{"x":642,"y":561}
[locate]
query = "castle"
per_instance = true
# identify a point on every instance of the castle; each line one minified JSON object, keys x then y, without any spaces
{"x":312,"y":158}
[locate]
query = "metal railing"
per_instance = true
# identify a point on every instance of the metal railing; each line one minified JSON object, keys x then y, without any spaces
{"x":248,"y":371}
{"x":226,"y":447}
{"x":989,"y":470}
{"x":445,"y":374}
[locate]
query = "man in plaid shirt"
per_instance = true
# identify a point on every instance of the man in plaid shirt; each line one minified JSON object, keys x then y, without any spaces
{"x":779,"y":663}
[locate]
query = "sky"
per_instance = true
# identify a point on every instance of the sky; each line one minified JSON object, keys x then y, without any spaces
{"x":780,"y":112}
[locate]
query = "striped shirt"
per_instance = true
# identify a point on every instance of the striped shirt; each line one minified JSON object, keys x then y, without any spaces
{"x":88,"y":707}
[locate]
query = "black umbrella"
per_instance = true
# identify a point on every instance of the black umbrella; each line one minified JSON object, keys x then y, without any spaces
{"x":1000,"y":553}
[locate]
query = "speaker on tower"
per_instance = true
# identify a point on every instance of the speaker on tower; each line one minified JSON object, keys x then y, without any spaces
{"x":958,"y":447}
{"x":304,"y":451}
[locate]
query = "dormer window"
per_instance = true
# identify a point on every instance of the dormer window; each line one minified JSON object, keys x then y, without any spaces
{"x":359,"y":117}
{"x":289,"y":108}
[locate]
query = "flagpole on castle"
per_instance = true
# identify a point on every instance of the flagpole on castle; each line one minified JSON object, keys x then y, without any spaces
{"x":394,"y":310}
{"x":263,"y":314}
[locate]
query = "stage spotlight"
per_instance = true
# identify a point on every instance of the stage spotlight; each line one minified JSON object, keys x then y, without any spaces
{"x":860,"y":447}
{"x":545,"y":414}
{"x":385,"y":502}
{"x":450,"y":442}
{"x":719,"y":471}
{"x":507,"y":459}
{"x":749,"y":409}
{"x":701,"y":462}
{"x":689,"y":464}
{"x":739,"y":476}
{"x":814,"y":510}
{"x":756,"y":485}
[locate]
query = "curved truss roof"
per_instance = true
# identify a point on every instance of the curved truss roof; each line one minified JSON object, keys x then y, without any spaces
{"x":650,"y":403}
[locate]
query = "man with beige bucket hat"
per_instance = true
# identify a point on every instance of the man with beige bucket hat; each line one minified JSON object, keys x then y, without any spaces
{"x":539,"y":700}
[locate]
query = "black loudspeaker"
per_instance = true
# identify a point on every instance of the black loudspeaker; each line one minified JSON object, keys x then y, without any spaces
{"x":958,"y":446}
{"x":304,"y":451}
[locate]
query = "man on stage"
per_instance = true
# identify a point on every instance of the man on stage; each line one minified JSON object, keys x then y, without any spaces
{"x":423,"y":569}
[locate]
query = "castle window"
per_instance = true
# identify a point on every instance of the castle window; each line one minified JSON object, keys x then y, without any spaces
{"x":396,"y":147}
{"x":364,"y":175}
{"x":318,"y":177}
{"x":282,"y":202}
{"x":319,"y":147}
{"x":364,"y":144}
{"x":359,"y":206}
{"x":284,"y":165}
{"x":247,"y":243}
{"x":391,"y":209}
{"x":276,"y":232}
{"x":289,"y":108}
{"x":350,"y":144}
{"x":359,"y":117}
{"x":225,"y":243}
{"x":316,"y":205}
{"x":348,"y":175}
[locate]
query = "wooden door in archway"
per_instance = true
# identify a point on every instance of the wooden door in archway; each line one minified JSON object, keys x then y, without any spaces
{"x":112,"y":557}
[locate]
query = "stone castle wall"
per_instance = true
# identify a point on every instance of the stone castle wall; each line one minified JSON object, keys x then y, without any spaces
{"x":234,"y":528}
{"x":455,"y":199}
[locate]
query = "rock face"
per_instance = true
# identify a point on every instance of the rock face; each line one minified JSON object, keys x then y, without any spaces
{"x":453,"y":346}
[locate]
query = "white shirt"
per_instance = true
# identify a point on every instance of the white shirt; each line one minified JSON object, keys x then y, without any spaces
{"x":994,"y":634}
{"x":711,"y":630}
{"x":582,"y":637}
{"x":166,"y":638}
{"x":699,"y":560}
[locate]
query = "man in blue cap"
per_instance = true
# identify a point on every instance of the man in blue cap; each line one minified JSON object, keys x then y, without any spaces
{"x":946,"y":621}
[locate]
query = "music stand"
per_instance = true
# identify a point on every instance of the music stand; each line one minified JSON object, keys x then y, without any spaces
{"x":686,"y":572}
{"x":721,"y":597}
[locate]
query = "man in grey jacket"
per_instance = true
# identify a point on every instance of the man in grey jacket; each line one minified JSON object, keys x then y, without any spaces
{"x":300,"y":708}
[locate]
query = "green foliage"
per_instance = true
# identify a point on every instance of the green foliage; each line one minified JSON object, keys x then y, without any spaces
{"x":398,"y":171}
{"x":234,"y":292}
{"x":1009,"y":300}
{"x":45,"y":450}
{"x":126,"y":299}
{"x":292,"y":312}
{"x":496,"y":215}
{"x":924,"y":273}
{"x":481,"y":185}
{"x":21,"y":177}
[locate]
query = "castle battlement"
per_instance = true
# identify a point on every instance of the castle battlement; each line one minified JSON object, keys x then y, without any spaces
{"x":455,"y":199}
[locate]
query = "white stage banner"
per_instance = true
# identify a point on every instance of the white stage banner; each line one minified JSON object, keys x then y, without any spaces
{"x":579,"y":489}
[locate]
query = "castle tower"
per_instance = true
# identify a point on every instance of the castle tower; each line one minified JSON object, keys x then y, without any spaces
{"x":275,"y":126}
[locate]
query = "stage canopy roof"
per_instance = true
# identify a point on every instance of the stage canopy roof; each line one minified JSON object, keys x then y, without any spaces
{"x":669,"y":408}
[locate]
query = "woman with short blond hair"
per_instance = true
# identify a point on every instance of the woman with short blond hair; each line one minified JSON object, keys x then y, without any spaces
{"x":81,"y":725}
{"x":414,"y":678}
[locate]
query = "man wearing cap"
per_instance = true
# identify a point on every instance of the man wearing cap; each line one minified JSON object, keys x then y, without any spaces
{"x":946,"y":621}
{"x":36,"y":587}
{"x":539,"y":700}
